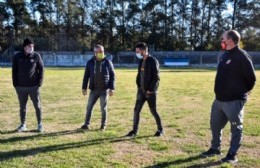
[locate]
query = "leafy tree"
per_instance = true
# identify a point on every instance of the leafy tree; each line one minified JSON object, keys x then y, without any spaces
{"x":77,"y":25}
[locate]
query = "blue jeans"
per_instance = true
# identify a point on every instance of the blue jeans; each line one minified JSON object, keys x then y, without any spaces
{"x":93,"y":97}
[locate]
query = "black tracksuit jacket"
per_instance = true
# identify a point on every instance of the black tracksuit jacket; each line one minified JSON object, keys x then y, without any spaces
{"x":235,"y":76}
{"x":27,"y":70}
{"x":151,"y":74}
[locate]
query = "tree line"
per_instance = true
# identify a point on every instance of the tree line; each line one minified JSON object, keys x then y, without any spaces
{"x":77,"y":25}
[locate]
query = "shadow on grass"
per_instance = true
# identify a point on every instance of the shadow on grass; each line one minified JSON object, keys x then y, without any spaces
{"x":59,"y":147}
{"x":186,"y":160}
{"x":175,"y":162}
{"x":22,"y":138}
{"x":7,"y":132}
{"x":209,"y":164}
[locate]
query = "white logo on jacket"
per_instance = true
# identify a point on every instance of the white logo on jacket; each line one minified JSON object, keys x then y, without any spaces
{"x":228,"y":61}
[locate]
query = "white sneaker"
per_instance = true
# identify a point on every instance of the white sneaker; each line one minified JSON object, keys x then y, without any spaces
{"x":21,"y":128}
{"x":40,"y":128}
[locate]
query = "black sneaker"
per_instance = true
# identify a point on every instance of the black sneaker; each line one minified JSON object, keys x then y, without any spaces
{"x":84,"y":127}
{"x":230,"y":158}
{"x":159,"y":133}
{"x":131,"y":134}
{"x":211,"y":152}
{"x":102,"y":128}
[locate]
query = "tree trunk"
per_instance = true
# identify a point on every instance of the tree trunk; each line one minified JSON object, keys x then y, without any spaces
{"x":234,"y":14}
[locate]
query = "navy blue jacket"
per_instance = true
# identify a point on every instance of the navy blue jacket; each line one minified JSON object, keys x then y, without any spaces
{"x":107,"y":70}
{"x":27,"y":70}
{"x":235,"y":76}
{"x":151,"y":74}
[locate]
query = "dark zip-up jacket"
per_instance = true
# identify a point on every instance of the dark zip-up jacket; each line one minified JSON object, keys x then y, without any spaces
{"x":27,"y":70}
{"x":151,"y":74}
{"x":235,"y":76}
{"x":107,"y":69}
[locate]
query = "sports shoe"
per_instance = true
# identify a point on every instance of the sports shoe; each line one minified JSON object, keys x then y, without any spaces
{"x":102,"y":128}
{"x":230,"y":158}
{"x":211,"y":152}
{"x":131,"y":134}
{"x":84,"y":127}
{"x":40,"y":128}
{"x":159,"y":133}
{"x":21,"y":128}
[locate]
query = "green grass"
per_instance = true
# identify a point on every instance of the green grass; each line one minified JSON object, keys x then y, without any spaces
{"x":184,"y":102}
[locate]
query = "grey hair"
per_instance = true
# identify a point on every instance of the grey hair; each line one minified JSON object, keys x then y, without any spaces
{"x":234,"y":36}
{"x":98,"y":46}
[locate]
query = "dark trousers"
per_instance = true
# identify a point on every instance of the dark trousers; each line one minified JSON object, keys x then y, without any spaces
{"x":23,"y":94}
{"x":221,"y":113}
{"x":93,"y":97}
{"x":151,"y":100}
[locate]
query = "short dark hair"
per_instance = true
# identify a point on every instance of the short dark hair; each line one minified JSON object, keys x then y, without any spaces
{"x":142,"y":46}
{"x":234,"y":36}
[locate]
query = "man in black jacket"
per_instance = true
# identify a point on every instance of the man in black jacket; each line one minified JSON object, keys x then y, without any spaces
{"x":100,"y":76}
{"x":147,"y":82}
{"x":27,"y":73}
{"x":234,"y":81}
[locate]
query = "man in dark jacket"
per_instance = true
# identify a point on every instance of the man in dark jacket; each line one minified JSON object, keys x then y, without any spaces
{"x":27,"y":73}
{"x":147,"y":82}
{"x":234,"y":81}
{"x":100,"y":76}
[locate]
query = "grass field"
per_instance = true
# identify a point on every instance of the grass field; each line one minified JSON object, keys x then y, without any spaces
{"x":184,"y":102}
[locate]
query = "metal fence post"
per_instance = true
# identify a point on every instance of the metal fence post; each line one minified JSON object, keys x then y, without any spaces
{"x":201,"y":62}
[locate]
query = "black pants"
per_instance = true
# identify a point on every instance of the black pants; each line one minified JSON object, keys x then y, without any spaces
{"x":151,"y":100}
{"x":23,"y":94}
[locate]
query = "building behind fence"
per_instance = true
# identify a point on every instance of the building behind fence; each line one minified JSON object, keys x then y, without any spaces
{"x":128,"y":58}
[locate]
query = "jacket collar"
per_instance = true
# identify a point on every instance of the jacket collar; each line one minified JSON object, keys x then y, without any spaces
{"x":233,"y":49}
{"x":28,"y":55}
{"x":94,"y":59}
